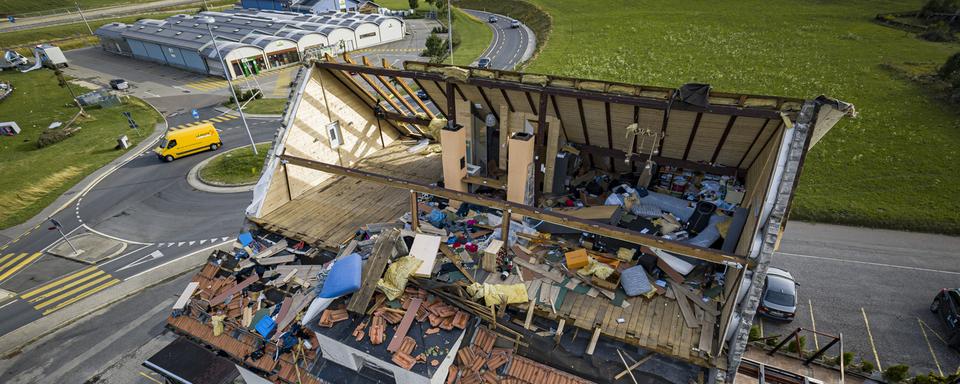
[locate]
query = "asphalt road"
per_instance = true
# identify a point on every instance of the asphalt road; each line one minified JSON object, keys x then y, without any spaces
{"x":509,"y":44}
{"x":852,"y":277}
{"x":145,"y":204}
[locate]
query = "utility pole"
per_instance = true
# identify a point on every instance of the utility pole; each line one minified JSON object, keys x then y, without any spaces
{"x":59,"y":228}
{"x":226,"y":72}
{"x":77,"y":2}
{"x":450,"y":30}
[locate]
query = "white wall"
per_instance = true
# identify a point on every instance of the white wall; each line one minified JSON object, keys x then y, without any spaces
{"x":371,"y":31}
{"x":391,"y":30}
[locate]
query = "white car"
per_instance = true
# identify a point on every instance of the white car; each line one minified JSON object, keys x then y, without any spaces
{"x":514,"y":24}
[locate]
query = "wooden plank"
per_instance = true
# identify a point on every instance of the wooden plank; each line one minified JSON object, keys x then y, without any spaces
{"x":706,"y":335}
{"x":409,"y":91}
{"x":383,"y":250}
{"x":652,"y":313}
{"x":425,"y":247}
{"x":277,"y":260}
{"x":526,"y":322}
{"x":456,"y":261}
{"x":404,"y":326}
{"x":688,"y":316}
{"x":485,"y":181}
{"x":234,"y":289}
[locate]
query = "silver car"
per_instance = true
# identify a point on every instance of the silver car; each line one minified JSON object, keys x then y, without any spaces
{"x":779,"y":300}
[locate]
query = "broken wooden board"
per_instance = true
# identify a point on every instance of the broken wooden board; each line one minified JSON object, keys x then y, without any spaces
{"x":425,"y":248}
{"x":404,"y":326}
{"x":688,"y":316}
{"x":455,"y":259}
{"x":277,"y":260}
{"x":271,"y":250}
{"x":383,"y":251}
{"x":234,"y":289}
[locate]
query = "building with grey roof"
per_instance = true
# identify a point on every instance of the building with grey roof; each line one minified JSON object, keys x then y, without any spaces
{"x":249,"y":41}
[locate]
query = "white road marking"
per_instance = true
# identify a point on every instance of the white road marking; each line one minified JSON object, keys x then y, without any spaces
{"x":152,"y":256}
{"x":114,"y":237}
{"x":870,"y":263}
{"x":213,"y":240}
{"x":193,"y":242}
{"x":171,"y":244}
{"x":203,"y":241}
{"x":124,"y":255}
{"x":189,"y":254}
{"x":180,"y":244}
{"x":224,"y":238}
{"x":813,"y":324}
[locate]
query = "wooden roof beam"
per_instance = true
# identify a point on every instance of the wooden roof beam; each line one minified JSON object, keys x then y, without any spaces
{"x":635,"y":237}
{"x":619,"y":155}
{"x":393,"y":90}
{"x":409,"y":91}
{"x":644,"y":102}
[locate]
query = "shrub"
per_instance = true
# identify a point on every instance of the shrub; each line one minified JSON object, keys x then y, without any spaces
{"x":414,"y":4}
{"x":847,"y":359}
{"x":866,"y":367}
{"x":53,"y":136}
{"x":938,"y":35}
{"x":792,"y":346}
{"x":951,"y":69}
{"x":939,"y":6}
{"x":754,"y":332}
{"x":896,"y":373}
{"x":773,"y":341}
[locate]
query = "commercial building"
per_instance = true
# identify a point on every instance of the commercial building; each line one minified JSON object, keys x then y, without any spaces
{"x":249,"y":40}
{"x":529,"y":229}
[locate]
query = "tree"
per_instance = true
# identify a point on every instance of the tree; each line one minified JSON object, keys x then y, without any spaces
{"x":414,"y":4}
{"x":435,"y":48}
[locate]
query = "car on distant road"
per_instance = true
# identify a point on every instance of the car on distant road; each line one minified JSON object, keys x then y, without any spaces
{"x":492,"y":19}
{"x":483,"y":63}
{"x":119,"y":84}
{"x":423,"y":95}
{"x":514,"y":23}
{"x":946,"y":305}
{"x":779,"y":300}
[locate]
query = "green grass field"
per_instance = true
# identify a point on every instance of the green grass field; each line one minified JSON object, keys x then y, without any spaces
{"x":236,"y":167}
{"x":475,"y":37}
{"x":893,"y":167}
{"x":17,"y":7}
{"x":33,"y":177}
{"x":262,"y":106}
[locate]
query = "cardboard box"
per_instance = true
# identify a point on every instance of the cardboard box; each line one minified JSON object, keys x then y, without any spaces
{"x":576,"y":259}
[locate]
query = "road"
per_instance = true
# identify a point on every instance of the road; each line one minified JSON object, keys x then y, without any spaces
{"x":144,"y":206}
{"x":90,"y":14}
{"x":510,"y":46}
{"x":872,"y":284}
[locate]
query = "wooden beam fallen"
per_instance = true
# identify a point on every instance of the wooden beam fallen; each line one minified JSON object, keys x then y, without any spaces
{"x":383,"y":250}
{"x":634,"y":366}
{"x":404,"y":326}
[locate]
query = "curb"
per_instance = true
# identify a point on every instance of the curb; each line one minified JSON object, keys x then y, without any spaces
{"x":193,"y":177}
{"x":79,"y":189}
{"x":15,"y":341}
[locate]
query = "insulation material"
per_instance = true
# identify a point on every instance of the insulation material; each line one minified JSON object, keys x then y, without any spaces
{"x":453,"y":73}
{"x":395,"y":279}
{"x":596,"y":268}
{"x":592,"y":86}
{"x":540,"y":80}
{"x":217,"y":321}
{"x":495,"y":294}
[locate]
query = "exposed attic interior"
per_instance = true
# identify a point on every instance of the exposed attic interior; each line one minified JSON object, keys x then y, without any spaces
{"x":559,"y":165}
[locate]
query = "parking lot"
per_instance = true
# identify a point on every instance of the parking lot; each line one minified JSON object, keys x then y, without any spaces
{"x":875,"y":287}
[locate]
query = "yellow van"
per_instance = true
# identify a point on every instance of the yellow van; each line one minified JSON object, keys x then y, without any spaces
{"x":187,"y":141}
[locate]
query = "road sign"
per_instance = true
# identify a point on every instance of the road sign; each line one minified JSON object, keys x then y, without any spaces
{"x":196,"y":114}
{"x":131,"y":122}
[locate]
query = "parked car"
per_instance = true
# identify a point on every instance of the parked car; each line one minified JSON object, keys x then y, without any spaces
{"x":514,"y":23}
{"x":492,"y":19}
{"x":423,"y":95}
{"x":119,"y":84}
{"x":484,"y":62}
{"x":779,"y":300}
{"x":947,"y":307}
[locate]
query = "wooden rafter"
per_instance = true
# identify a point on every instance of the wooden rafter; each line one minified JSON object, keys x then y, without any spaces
{"x":606,"y":107}
{"x":693,"y":135}
{"x":451,"y":104}
{"x":583,"y":126}
{"x":753,"y":142}
{"x":460,"y":92}
{"x":635,"y":237}
{"x":489,"y":104}
{"x":366,"y":78}
{"x":617,"y":154}
{"x":533,"y":107}
{"x":503,"y":92}
{"x":723,"y":138}
{"x":556,"y":111}
{"x":393,"y":90}
{"x":765,"y":142}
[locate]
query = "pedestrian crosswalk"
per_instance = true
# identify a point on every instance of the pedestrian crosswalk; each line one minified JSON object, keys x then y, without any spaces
{"x":57,"y":294}
{"x":12,"y":263}
{"x":218,"y":119}
{"x":208,"y":84}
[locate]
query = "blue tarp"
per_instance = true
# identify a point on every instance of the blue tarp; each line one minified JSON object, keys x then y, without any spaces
{"x":266,"y":326}
{"x":245,"y":238}
{"x":344,"y":277}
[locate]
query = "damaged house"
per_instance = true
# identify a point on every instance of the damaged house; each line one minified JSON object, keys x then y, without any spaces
{"x":508,"y":227}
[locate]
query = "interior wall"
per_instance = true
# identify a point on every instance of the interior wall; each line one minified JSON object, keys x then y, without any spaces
{"x":757,"y":184}
{"x":308,"y":137}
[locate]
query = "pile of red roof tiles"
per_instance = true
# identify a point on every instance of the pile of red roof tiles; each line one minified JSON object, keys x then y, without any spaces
{"x":481,"y":362}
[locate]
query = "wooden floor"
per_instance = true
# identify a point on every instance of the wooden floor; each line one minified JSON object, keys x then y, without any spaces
{"x":654,"y":324}
{"x":331,"y":212}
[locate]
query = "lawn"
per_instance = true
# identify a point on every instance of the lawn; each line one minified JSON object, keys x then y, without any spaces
{"x":262,"y":106}
{"x":892,"y":167}
{"x":475,"y":37}
{"x":33,"y":177}
{"x":235,"y":167}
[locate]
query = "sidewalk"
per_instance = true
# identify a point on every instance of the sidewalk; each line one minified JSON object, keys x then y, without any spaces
{"x":91,"y":14}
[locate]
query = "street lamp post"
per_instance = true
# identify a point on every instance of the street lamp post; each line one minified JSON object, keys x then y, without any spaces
{"x":450,"y":31}
{"x":226,"y":73}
